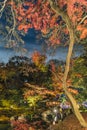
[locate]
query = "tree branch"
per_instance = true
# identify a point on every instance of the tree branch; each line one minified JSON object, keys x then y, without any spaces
{"x":11,"y":31}
{"x":85,"y":17}
{"x":14,"y":20}
{"x":70,"y":27}
{"x":36,"y":87}
{"x":3,"y":6}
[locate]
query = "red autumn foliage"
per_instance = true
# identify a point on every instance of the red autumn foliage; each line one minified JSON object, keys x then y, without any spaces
{"x":83,"y":34}
{"x":40,"y":16}
{"x":73,"y":91}
{"x":35,"y":56}
{"x":53,"y":67}
{"x":20,"y":124}
{"x":38,"y":58}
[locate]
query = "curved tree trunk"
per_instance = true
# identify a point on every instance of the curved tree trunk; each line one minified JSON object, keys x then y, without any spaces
{"x":65,"y":17}
{"x":72,"y":100}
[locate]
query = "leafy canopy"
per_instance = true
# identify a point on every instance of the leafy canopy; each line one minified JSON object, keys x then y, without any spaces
{"x":38,"y":14}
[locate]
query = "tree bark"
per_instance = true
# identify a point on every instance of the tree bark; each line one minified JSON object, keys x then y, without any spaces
{"x":69,"y":25}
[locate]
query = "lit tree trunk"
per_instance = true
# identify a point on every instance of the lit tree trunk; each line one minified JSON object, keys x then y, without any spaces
{"x":67,"y":20}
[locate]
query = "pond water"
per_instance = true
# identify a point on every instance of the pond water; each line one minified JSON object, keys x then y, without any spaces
{"x":59,"y":53}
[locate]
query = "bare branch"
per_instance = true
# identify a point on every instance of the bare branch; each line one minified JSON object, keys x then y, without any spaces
{"x":3,"y":6}
{"x":14,"y":20}
{"x":85,"y":17}
{"x":36,"y":87}
{"x":11,"y":31}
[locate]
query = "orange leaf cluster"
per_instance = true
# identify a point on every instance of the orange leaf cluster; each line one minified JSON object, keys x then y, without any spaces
{"x":35,"y":57}
{"x":73,"y":91}
{"x":83,"y":30}
{"x":40,"y":16}
{"x":75,"y":10}
{"x":38,"y":58}
{"x":52,"y":103}
{"x":29,"y":93}
{"x":36,"y":16}
{"x":53,"y":67}
{"x":57,"y":79}
{"x":84,"y":34}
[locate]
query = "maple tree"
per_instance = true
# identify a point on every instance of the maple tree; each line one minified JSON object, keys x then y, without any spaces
{"x":60,"y":21}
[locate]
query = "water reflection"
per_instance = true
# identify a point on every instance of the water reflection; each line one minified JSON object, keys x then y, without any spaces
{"x":59,"y":54}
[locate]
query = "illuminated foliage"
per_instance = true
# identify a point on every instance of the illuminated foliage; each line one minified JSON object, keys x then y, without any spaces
{"x":24,"y":14}
{"x":60,"y":21}
{"x":20,"y":124}
{"x":39,"y":60}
